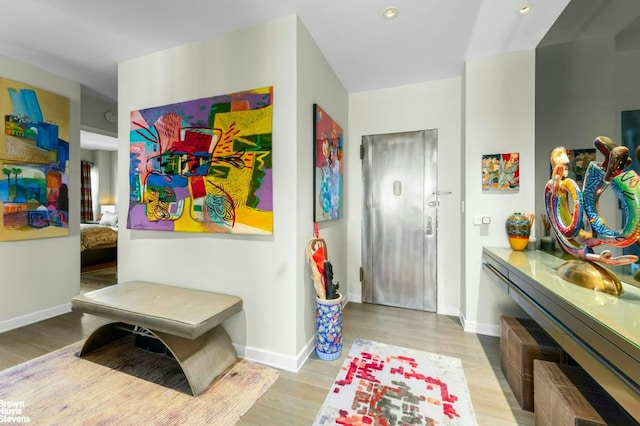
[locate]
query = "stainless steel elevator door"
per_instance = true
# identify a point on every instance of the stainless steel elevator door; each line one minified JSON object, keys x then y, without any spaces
{"x":399,"y":234}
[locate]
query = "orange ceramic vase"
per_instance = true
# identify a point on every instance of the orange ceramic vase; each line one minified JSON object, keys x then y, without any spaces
{"x":518,"y":228}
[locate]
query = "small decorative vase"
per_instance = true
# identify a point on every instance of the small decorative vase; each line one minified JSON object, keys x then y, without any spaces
{"x":518,"y":228}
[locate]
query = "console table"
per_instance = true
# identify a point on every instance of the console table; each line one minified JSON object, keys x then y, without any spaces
{"x":600,"y":331}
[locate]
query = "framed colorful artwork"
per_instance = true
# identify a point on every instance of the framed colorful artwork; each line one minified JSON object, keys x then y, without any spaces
{"x":631,"y":135}
{"x":34,"y":158}
{"x":203,"y":165}
{"x":630,"y":127}
{"x":501,"y":172}
{"x":579,"y":160}
{"x":327,"y":166}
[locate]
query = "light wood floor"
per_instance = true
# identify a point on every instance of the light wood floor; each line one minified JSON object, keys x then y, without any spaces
{"x":295,"y":398}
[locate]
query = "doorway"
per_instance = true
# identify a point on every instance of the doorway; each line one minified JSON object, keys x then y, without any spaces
{"x":399,"y":224}
{"x":98,"y":248}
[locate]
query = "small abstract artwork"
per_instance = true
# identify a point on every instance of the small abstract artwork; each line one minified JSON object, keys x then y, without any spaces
{"x":328,"y":166}
{"x":631,"y":139}
{"x":34,"y":159}
{"x":501,"y":172}
{"x":631,"y":135}
{"x":579,"y":160}
{"x":203,"y":165}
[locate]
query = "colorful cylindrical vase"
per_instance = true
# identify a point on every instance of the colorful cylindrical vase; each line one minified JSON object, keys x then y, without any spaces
{"x":518,"y":227}
{"x":329,"y":328}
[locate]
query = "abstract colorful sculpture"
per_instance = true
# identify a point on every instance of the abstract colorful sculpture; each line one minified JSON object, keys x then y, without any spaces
{"x":566,"y":205}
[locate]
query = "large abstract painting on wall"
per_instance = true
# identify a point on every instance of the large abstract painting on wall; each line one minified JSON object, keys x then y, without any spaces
{"x":203,"y":165}
{"x":328,"y":166}
{"x":34,"y":159}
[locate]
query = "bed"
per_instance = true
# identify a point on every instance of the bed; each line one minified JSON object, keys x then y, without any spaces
{"x":99,"y":241}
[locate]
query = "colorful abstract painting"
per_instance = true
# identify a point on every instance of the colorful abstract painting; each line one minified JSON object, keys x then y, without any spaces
{"x":203,"y":165}
{"x":380,"y":384}
{"x":579,"y":160}
{"x":631,"y":139}
{"x":501,"y":172}
{"x":34,"y":158}
{"x":328,"y":166}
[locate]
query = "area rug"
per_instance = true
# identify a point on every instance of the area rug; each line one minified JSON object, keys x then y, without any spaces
{"x":380,"y":384}
{"x":123,"y":385}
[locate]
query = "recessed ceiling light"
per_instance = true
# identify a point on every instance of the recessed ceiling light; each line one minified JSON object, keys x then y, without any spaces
{"x":390,"y":12}
{"x":525,"y":8}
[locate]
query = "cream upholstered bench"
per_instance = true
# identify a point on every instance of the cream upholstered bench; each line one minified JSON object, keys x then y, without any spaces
{"x":188,"y":322}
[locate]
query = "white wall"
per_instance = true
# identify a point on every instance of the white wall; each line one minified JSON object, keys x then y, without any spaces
{"x":39,"y":277}
{"x":575,"y":100}
{"x":92,"y":115}
{"x":499,"y":117}
{"x":317,"y":83}
{"x":582,"y":88}
{"x":626,"y":87}
{"x":268,"y":272}
{"x":105,"y":163}
{"x":430,"y":105}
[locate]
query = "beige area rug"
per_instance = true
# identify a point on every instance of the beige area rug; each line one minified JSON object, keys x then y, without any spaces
{"x":120,"y":384}
{"x":380,"y":384}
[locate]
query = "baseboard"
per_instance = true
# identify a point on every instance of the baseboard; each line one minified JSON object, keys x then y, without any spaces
{"x":480,"y":328}
{"x":277,"y":360}
{"x":452,"y":311}
{"x":345,"y":300}
{"x":28,"y":319}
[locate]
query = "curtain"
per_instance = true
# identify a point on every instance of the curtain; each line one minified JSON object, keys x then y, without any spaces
{"x":86,"y":204}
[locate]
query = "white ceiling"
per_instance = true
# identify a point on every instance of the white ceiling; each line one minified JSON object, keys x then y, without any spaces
{"x":430,"y":39}
{"x":84,"y":40}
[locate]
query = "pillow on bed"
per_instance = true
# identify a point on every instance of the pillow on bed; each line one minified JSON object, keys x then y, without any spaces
{"x":109,"y":219}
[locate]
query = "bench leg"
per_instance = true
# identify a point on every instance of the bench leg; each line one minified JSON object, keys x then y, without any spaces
{"x":103,"y":335}
{"x":202,"y":360}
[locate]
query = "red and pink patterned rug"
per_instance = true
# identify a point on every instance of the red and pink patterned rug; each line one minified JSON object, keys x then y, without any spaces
{"x":380,"y":384}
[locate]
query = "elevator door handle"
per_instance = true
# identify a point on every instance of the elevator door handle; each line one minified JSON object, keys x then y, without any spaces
{"x":429,"y":228}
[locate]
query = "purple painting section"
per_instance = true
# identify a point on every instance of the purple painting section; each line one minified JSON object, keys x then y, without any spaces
{"x":264,"y":193}
{"x":138,"y":220}
{"x":198,"y":110}
{"x":182,"y":192}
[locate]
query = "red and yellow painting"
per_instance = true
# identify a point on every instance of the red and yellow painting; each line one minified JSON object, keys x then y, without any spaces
{"x":203,"y":165}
